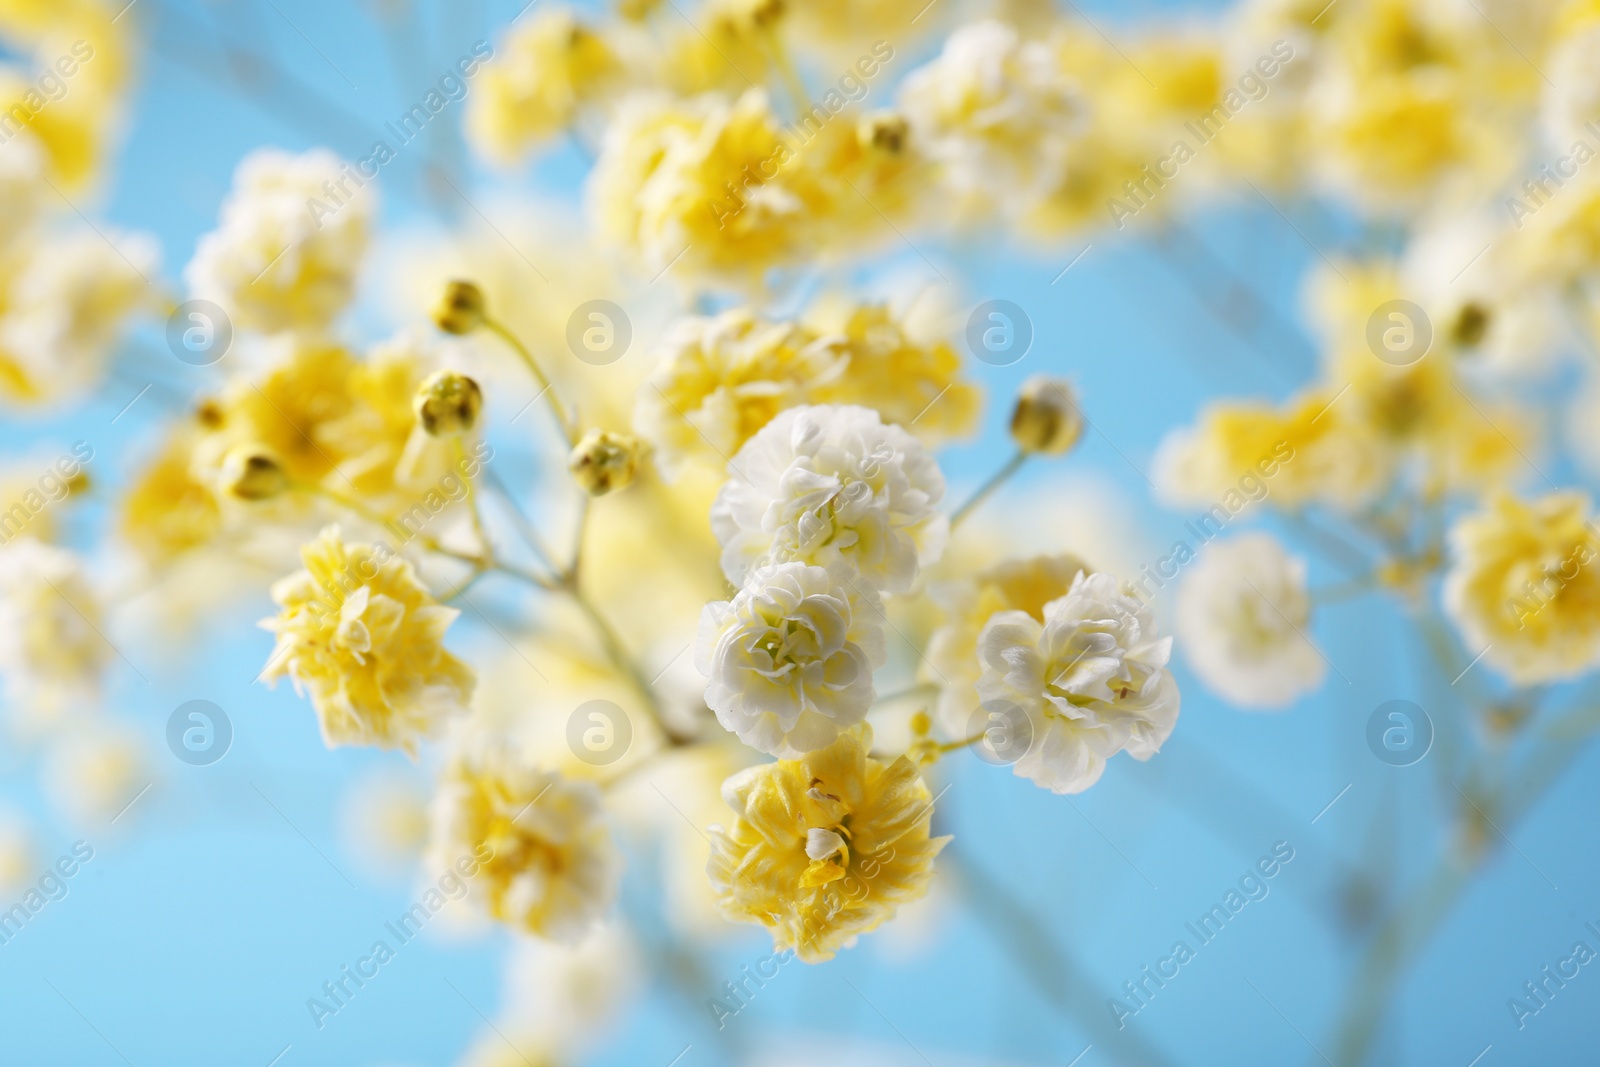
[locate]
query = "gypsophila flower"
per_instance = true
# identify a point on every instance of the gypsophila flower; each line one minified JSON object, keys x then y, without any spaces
{"x":827,"y":484}
{"x":292,"y":235}
{"x":366,"y":639}
{"x":1524,"y":586}
{"x":824,"y":848}
{"x":547,"y":864}
{"x":1091,"y":680}
{"x":951,"y":661}
{"x":52,"y":652}
{"x":1243,"y":611}
{"x":790,"y":658}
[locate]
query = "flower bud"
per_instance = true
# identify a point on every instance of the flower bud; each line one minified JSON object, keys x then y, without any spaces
{"x":251,"y":472}
{"x":447,"y":403}
{"x":1046,"y":420}
{"x":460,"y":308}
{"x":885,"y":131}
{"x":604,"y":461}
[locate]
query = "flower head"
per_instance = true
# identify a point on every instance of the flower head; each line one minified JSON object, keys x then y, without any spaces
{"x":952,"y":656}
{"x":996,"y":110}
{"x":826,"y":484}
{"x":790,"y":658}
{"x":289,"y":244}
{"x":824,"y":848}
{"x":366,"y":639}
{"x":546,"y":863}
{"x":722,"y":378}
{"x":51,"y":649}
{"x":1091,"y":681}
{"x":1525,"y":586}
{"x":1242,"y":612}
{"x":551,"y":65}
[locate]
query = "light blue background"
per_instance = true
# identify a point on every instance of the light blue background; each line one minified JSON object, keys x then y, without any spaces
{"x":195,"y":938}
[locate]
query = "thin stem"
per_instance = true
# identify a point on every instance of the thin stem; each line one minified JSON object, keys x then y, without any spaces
{"x":984,"y":491}
{"x":485,"y":547}
{"x":792,"y":82}
{"x":546,"y":389}
{"x":618,"y":653}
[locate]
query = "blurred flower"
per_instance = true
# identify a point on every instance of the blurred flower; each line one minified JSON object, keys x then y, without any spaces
{"x":547,"y":862}
{"x":52,"y":649}
{"x":65,"y":308}
{"x":827,"y":484}
{"x":546,"y":69}
{"x":997,"y":111}
{"x":292,"y":236}
{"x":1524,"y":586}
{"x":1091,"y":679}
{"x":824,"y":848}
{"x":383,"y":820}
{"x":790,"y":658}
{"x":366,"y":639}
{"x":94,"y":775}
{"x":913,"y":382}
{"x":1243,"y":611}
{"x":569,"y":996}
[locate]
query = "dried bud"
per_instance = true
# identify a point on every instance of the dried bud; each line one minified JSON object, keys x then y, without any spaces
{"x":460,"y":308}
{"x":251,"y":472}
{"x":209,"y":414}
{"x":447,"y":403}
{"x":604,"y":461}
{"x":1046,"y":420}
{"x":885,"y":131}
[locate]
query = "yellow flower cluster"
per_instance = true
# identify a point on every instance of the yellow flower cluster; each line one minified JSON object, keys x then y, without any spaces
{"x":825,"y":848}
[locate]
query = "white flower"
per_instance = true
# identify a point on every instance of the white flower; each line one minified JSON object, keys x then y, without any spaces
{"x":51,"y":650}
{"x":1242,"y":612}
{"x":1572,"y":93}
{"x":1090,"y":682}
{"x":996,"y":110}
{"x":828,"y":484}
{"x":22,"y":187}
{"x":66,"y":308}
{"x":790,"y":659}
{"x":567,"y":996}
{"x":292,"y":236}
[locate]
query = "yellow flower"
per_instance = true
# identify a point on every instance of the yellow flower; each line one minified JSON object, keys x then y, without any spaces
{"x":1307,"y":452}
{"x":546,"y":863}
{"x":545,"y":70}
{"x":1525,"y":586}
{"x":169,"y":510}
{"x":288,"y":411}
{"x":715,"y":182}
{"x":366,"y":639}
{"x":952,"y":657}
{"x":721,"y":379}
{"x":912,"y":382}
{"x":824,"y":848}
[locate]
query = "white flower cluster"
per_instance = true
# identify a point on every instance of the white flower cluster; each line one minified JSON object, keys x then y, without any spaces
{"x":1090,"y":681}
{"x":826,"y":508}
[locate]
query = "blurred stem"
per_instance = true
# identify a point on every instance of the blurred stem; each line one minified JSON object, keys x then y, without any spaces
{"x":546,"y":388}
{"x":1051,"y":969}
{"x":793,"y":84}
{"x":1407,"y":931}
{"x":984,"y":491}
{"x":484,"y":544}
{"x":1347,"y":556}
